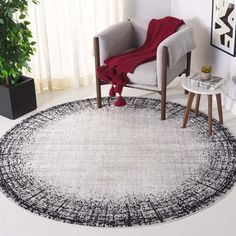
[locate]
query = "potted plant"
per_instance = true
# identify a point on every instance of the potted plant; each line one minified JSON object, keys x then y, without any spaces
{"x":206,"y":72}
{"x":17,"y":92}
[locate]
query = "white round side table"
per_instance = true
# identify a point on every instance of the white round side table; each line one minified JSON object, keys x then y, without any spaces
{"x":194,"y":90}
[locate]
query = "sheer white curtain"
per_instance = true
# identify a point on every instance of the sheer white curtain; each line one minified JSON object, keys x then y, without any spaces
{"x":64,"y":31}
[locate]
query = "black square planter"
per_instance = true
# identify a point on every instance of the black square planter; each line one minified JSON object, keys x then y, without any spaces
{"x":18,"y":100}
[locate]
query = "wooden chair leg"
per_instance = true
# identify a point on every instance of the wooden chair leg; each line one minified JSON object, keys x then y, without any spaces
{"x":163,"y":106}
{"x":97,"y":64}
{"x":188,"y":68}
{"x":188,"y":108}
{"x":164,"y":83}
{"x":197,"y":104}
{"x":99,"y":95}
{"x":209,"y":115}
{"x":219,"y":106}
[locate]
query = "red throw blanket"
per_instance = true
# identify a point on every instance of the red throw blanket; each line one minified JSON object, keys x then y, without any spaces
{"x":116,"y":68}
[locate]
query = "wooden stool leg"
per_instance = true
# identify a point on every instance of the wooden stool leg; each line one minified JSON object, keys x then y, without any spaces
{"x":209,"y":115}
{"x":197,"y":104}
{"x":188,"y":108}
{"x":219,"y":106}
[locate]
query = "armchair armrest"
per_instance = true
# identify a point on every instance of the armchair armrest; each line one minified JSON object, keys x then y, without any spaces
{"x":178,"y":44}
{"x":114,"y":40}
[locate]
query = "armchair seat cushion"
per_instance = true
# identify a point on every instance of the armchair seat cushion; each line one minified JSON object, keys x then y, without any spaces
{"x":145,"y":74}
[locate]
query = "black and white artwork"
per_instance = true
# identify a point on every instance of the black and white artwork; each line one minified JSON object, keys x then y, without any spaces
{"x":223,"y":28}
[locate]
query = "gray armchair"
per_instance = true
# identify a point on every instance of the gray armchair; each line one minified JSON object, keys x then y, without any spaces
{"x":173,"y":56}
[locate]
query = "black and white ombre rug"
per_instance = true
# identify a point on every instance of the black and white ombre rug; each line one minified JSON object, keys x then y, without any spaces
{"x":116,"y":167}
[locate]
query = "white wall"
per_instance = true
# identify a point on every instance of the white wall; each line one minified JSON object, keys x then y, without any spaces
{"x":150,"y":8}
{"x":198,"y":15}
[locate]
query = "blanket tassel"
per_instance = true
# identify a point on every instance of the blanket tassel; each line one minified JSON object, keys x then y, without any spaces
{"x":112,"y":92}
{"x":120,"y":102}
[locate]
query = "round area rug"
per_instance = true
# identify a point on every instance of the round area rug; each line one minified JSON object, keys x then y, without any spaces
{"x":116,"y":166}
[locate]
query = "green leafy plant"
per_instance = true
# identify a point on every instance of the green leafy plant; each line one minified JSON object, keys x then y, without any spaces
{"x":206,"y":69}
{"x":16,"y":45}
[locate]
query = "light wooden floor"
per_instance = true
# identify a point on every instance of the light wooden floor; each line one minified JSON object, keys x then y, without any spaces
{"x":217,"y":220}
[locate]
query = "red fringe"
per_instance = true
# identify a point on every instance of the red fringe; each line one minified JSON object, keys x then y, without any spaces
{"x":120,"y":102}
{"x":112,"y":92}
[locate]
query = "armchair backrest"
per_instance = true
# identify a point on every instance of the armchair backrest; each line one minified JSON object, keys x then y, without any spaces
{"x":140,"y":31}
{"x":140,"y":27}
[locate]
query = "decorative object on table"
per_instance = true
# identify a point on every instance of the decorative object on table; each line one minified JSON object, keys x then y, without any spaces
{"x":173,"y":56}
{"x":195,"y":90}
{"x":206,"y":72}
{"x":212,"y":84}
{"x":223,"y":29}
{"x":17,"y":92}
{"x":85,"y":174}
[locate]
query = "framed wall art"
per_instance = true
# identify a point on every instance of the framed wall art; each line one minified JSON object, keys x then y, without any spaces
{"x":223,"y":28}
